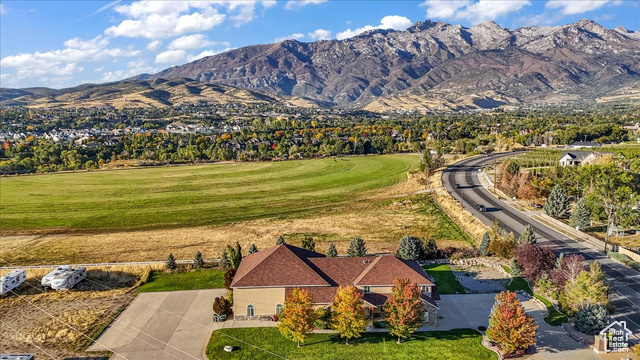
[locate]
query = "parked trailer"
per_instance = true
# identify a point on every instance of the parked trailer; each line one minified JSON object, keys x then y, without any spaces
{"x":12,"y":281}
{"x":47,"y":279}
{"x":68,"y":279}
{"x":16,"y":357}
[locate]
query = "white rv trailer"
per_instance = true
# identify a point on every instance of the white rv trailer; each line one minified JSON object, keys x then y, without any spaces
{"x":12,"y":281}
{"x":68,"y":279}
{"x":46,"y":280}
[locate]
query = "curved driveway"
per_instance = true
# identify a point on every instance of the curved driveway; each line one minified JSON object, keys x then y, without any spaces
{"x":624,"y":282}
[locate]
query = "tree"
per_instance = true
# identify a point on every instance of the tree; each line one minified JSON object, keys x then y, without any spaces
{"x":509,"y":326}
{"x":535,"y":260}
{"x":198,"y":261}
{"x":221,"y":306}
{"x":516,"y":269}
{"x":567,"y":270}
{"x":280,"y":240}
{"x":228,"y":278}
{"x":331,"y":251}
{"x":308,"y":243}
{"x":496,"y":232}
{"x":528,"y":236}
{"x":404,"y":309}
{"x":357,"y":247}
{"x":224,"y":260}
{"x":588,"y":289}
{"x":557,"y":204}
{"x":253,"y":249}
{"x":592,"y":319}
{"x":348,"y":316}
{"x":297,"y":317}
{"x":580,"y":216}
{"x":171,"y":262}
{"x":483,"y":249}
{"x":503,"y":246}
{"x":429,"y":249}
{"x":235,"y":255}
{"x":410,"y":248}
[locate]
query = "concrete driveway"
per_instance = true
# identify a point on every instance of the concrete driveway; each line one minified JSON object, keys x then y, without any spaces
{"x":162,"y":325}
{"x":463,"y":311}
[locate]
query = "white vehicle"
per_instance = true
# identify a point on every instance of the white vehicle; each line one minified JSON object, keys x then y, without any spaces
{"x":12,"y":281}
{"x":46,"y":280}
{"x":68,"y":279}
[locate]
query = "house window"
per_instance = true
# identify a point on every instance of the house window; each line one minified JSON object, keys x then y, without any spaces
{"x":279,"y":308}
{"x":367,"y":289}
{"x":425,"y":289}
{"x":251,"y":310}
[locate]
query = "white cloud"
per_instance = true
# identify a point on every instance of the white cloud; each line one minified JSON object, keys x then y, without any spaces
{"x":164,"y":19}
{"x":295,"y":36}
{"x":320,"y":34}
{"x":136,"y":67}
{"x":171,"y":57}
{"x":154,"y":45}
{"x":269,"y":3}
{"x":473,"y":11}
{"x":394,"y":22}
{"x":190,"y":42}
{"x":105,"y":7}
{"x":293,"y":4}
{"x":572,"y":7}
{"x":205,"y":54}
{"x":64,"y":62}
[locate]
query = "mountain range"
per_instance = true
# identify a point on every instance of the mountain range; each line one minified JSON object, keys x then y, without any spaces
{"x":429,"y":65}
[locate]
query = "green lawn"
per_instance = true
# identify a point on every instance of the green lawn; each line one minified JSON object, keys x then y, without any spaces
{"x":267,"y":343}
{"x":555,"y":317}
{"x":445,"y":279}
{"x":190,"y":280}
{"x":179,"y":196}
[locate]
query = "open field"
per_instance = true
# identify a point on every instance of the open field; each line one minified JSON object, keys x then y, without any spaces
{"x":62,"y":324}
{"x":183,"y":196}
{"x":462,"y":344}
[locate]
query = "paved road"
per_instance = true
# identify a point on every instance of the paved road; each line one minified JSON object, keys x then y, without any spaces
{"x":624,"y":282}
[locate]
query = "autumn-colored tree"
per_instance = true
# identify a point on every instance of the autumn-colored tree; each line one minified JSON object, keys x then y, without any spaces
{"x":536,"y":260}
{"x":348,"y":315}
{"x":404,"y":309}
{"x":509,"y":326}
{"x":587,"y":289}
{"x":567,"y":270}
{"x":297,"y":317}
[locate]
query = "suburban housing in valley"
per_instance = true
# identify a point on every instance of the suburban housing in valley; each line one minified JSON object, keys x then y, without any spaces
{"x":265,"y":278}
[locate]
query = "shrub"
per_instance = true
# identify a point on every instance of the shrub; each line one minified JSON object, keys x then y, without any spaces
{"x":171,"y":262}
{"x":536,"y":260}
{"x":592,"y":319}
{"x":429,"y":249}
{"x":502,"y":248}
{"x":280,"y":240}
{"x":253,"y":249}
{"x":198,"y":261}
{"x":221,"y":306}
{"x":228,"y":278}
{"x":323,"y":318}
{"x":308,"y":243}
{"x":545,"y":284}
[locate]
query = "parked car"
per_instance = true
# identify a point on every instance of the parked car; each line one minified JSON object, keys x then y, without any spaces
{"x":458,"y":186}
{"x":481,"y":208}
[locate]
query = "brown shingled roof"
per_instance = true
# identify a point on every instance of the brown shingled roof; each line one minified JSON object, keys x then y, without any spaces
{"x":282,"y":265}
{"x":385,"y":269}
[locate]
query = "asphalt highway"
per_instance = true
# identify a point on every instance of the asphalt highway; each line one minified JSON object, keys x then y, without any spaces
{"x":624,"y":282}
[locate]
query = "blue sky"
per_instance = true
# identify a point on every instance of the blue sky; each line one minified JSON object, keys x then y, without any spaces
{"x":60,"y":44}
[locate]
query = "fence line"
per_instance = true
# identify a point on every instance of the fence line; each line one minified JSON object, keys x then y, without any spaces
{"x":134,"y":263}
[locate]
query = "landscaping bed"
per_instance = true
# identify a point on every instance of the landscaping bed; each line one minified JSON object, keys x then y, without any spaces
{"x":268,"y":343}
{"x":190,"y":280}
{"x":555,"y":317}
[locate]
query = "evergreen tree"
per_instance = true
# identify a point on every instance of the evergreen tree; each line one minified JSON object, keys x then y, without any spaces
{"x":280,"y":240}
{"x":348,"y":317}
{"x":557,"y":204}
{"x":308,"y":243}
{"x":253,"y":249}
{"x":331,"y":251}
{"x":592,"y":319}
{"x":357,"y":247}
{"x":509,"y":326}
{"x":527,"y":236}
{"x":297,"y":317}
{"x":483,"y":249}
{"x":410,"y":248}
{"x":429,"y":249}
{"x":171,"y":262}
{"x":404,"y":310}
{"x":559,"y":260}
{"x":235,"y":255}
{"x":516,"y":270}
{"x":198,"y":261}
{"x":580,"y":216}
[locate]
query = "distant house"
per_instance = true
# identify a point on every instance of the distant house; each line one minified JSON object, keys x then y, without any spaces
{"x":571,"y":158}
{"x":265,"y":278}
{"x":585,"y":144}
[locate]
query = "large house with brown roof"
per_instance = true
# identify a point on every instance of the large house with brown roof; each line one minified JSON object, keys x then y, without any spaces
{"x":265,"y":278}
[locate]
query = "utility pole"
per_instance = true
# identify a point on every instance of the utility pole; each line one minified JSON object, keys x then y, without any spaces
{"x":495,"y":175}
{"x":462,"y":192}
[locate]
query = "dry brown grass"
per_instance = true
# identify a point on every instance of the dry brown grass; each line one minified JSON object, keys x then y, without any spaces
{"x":61,"y":323}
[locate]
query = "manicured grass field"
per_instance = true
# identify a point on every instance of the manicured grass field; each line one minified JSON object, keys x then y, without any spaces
{"x":182,"y":196}
{"x":555,"y":317}
{"x":190,"y":280}
{"x":267,"y":343}
{"x":445,"y":279}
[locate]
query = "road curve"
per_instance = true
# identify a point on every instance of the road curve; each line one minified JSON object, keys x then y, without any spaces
{"x":623,"y":281}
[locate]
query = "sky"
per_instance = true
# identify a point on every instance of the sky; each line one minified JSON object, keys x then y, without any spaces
{"x":66,"y":43}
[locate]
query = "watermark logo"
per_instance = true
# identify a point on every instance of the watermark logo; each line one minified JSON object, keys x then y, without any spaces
{"x":616,"y":337}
